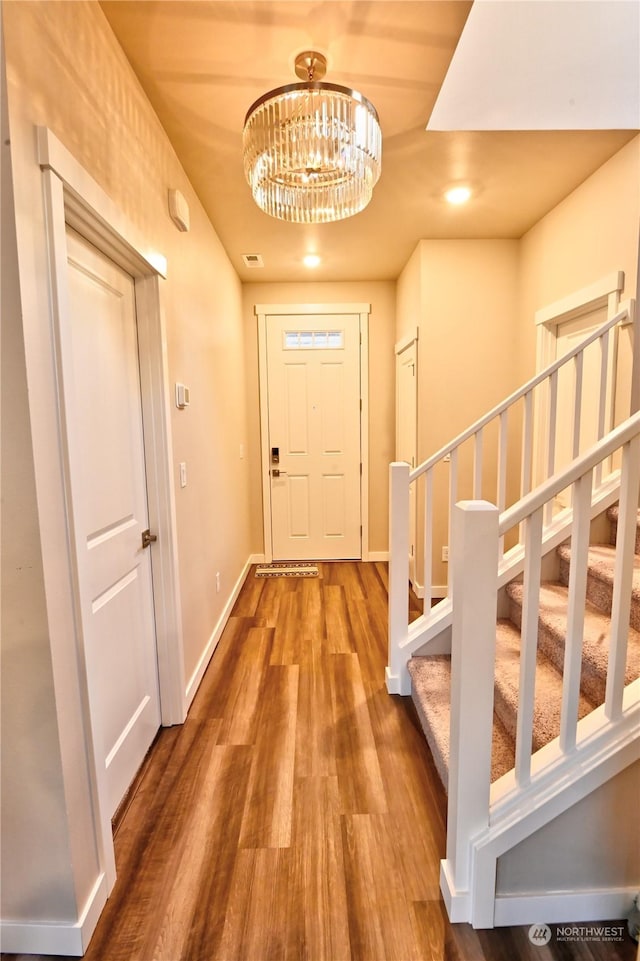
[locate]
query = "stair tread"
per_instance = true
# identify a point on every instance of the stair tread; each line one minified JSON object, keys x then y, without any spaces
{"x":548,"y":690}
{"x":601,"y":563}
{"x":595,"y":647}
{"x":431,"y":692}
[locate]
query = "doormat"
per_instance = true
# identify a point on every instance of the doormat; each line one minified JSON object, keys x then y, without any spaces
{"x":287,"y":570}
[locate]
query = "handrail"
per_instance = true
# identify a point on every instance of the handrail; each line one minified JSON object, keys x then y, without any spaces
{"x":517,"y":395}
{"x":577,"y":468}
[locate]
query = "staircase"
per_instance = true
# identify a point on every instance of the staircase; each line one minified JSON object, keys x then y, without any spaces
{"x":431,"y":674}
{"x":526,"y":677}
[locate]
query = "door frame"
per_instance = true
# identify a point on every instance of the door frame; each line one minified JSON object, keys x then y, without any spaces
{"x":262,"y":312}
{"x":410,"y":341}
{"x":604,"y":292}
{"x":72,"y":197}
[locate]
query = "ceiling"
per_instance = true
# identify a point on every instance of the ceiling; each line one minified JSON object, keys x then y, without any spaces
{"x":202,"y":63}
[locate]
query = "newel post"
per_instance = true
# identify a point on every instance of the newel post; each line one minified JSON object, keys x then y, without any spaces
{"x":397,"y":676}
{"x":474,"y":573}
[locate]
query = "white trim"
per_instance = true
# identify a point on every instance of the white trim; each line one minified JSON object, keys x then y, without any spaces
{"x":22,"y":937}
{"x":257,"y":559}
{"x":262,"y":312}
{"x":212,"y":643}
{"x":378,"y":556}
{"x":86,"y":194}
{"x":326,"y":309}
{"x":603,"y":292}
{"x":563,"y":907}
{"x":72,"y":196}
{"x":581,"y":300}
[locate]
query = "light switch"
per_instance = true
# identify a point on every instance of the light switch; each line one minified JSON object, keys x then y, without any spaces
{"x":183,"y":474}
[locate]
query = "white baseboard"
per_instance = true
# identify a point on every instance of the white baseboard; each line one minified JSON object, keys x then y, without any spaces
{"x":437,"y":590}
{"x":456,"y":902}
{"x":373,"y":556}
{"x":563,"y":907}
{"x":203,"y":663}
{"x":257,"y":559}
{"x":57,"y":938}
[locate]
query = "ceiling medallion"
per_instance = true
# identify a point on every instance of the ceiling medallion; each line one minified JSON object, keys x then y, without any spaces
{"x":312,"y":150}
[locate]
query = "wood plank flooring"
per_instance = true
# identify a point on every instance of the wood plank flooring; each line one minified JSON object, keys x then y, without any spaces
{"x":297,"y":814}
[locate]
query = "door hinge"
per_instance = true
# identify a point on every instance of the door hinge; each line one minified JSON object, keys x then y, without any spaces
{"x":360,"y":470}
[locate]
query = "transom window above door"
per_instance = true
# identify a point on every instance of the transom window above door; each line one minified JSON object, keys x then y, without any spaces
{"x":313,"y":340}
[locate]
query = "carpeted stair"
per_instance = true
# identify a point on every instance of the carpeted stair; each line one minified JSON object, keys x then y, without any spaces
{"x":430,"y":675}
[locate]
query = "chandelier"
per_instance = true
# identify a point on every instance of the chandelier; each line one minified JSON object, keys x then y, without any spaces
{"x":312,"y":150}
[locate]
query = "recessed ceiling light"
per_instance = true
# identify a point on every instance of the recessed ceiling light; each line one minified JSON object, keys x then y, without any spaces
{"x":458,"y":195}
{"x":311,"y":260}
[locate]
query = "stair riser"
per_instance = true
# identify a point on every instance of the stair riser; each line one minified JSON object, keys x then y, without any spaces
{"x":600,"y":593}
{"x":552,"y":644}
{"x":614,"y":531}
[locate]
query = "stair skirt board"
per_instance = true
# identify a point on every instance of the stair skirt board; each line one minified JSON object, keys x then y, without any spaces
{"x":564,"y":907}
{"x":560,"y":907}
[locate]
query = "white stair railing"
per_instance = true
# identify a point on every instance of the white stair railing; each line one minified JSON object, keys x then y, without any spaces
{"x":541,"y":391}
{"x":483,"y":820}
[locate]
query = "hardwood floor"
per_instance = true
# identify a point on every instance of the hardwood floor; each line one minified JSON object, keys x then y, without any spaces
{"x":297,"y":813}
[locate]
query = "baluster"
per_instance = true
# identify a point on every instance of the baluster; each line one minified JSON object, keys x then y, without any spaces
{"x":529,"y":645}
{"x":428,"y":538}
{"x":578,"y":363}
{"x":623,"y":579}
{"x":551,"y":450}
{"x":602,"y":401}
{"x":453,"y":497}
{"x":397,"y":676}
{"x":527,"y":451}
{"x":580,"y":531}
{"x":502,"y":469}
{"x":477,"y":465}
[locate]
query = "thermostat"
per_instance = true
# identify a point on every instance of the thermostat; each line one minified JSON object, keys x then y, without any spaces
{"x":182,"y":396}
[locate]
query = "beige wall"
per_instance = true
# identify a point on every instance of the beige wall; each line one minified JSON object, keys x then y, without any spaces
{"x":462,"y":294}
{"x":381,"y":296}
{"x":592,"y":233}
{"x":593,"y":845}
{"x":66,"y":71}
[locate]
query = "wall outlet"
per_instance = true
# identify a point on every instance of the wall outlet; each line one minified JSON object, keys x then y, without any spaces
{"x":445,"y":554}
{"x":217,"y":582}
{"x":183,"y":474}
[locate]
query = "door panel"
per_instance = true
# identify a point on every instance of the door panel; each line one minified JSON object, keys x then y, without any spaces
{"x":106,"y":461}
{"x":314,"y":420}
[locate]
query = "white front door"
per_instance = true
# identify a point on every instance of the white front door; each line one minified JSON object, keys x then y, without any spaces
{"x":313,"y":373}
{"x":407,"y":435}
{"x":109,"y":507}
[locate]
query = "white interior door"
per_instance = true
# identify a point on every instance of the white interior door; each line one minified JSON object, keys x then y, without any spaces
{"x":313,"y":373}
{"x":109,"y":504}
{"x":406,"y":433}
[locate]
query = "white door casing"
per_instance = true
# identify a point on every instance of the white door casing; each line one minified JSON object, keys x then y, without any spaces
{"x":407,"y":429}
{"x":313,"y":401}
{"x":109,"y":505}
{"x":559,"y":325}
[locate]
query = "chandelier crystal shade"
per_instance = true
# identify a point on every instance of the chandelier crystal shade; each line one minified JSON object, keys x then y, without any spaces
{"x":312,"y":150}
